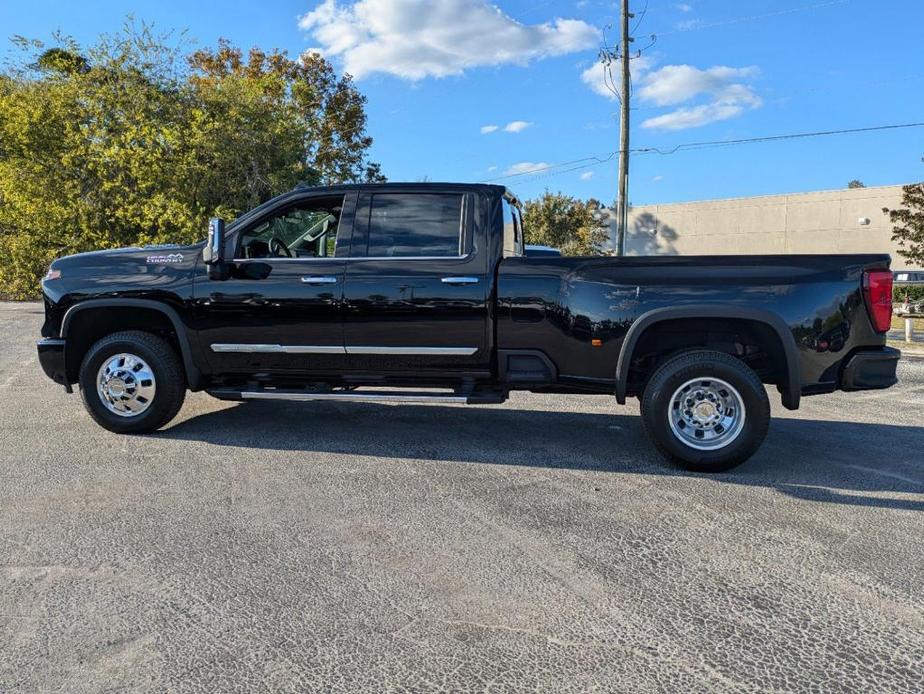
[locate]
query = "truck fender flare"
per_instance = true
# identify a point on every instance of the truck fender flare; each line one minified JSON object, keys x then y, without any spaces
{"x":791,"y":390}
{"x":193,"y":374}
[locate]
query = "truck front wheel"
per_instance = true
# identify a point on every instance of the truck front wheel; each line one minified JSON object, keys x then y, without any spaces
{"x":132,"y":382}
{"x":705,"y":411}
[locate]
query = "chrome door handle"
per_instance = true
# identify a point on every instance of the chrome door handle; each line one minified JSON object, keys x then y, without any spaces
{"x":459,"y":280}
{"x":326,"y":279}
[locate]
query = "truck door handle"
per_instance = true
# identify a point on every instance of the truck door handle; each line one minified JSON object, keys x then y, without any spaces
{"x":324,"y":279}
{"x":459,"y":280}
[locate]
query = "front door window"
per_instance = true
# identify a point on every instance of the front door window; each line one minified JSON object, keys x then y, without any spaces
{"x":307,"y":230}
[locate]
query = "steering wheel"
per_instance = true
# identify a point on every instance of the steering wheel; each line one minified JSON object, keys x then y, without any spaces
{"x":278,"y":248}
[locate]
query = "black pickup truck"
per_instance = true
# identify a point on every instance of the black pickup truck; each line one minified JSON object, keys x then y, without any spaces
{"x":426,"y":292}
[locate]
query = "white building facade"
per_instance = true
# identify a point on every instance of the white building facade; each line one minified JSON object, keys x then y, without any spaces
{"x":836,"y":221}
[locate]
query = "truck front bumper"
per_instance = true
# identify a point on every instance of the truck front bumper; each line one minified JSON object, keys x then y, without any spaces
{"x":51,"y":357}
{"x":871,"y":369}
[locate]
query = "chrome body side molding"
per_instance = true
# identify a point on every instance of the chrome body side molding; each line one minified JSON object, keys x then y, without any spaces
{"x":353,"y":397}
{"x":335,"y":349}
{"x":277,"y":349}
{"x":423,"y":351}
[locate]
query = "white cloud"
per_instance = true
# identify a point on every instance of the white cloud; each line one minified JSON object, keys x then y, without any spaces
{"x":684,"y":7}
{"x":688,"y":24}
{"x":587,"y":175}
{"x":701,"y":96}
{"x":693,"y":117}
{"x":516,"y":126}
{"x":492,"y":169}
{"x":595,"y":77}
{"x":414,"y":39}
{"x":674,"y":84}
{"x":526,"y":167}
{"x":657,"y":178}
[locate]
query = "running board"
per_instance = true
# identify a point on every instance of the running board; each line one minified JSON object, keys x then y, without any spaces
{"x":354,"y":396}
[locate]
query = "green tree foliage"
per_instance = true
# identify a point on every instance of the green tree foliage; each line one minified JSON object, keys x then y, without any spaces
{"x":130,"y":142}
{"x":561,"y":221}
{"x":856,"y":183}
{"x":908,"y":224}
{"x":907,"y":292}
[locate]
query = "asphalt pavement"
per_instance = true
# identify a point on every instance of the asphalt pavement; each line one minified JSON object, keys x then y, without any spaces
{"x":535,"y":545}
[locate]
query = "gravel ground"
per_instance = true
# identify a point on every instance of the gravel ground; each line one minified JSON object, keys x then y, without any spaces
{"x":537,"y":545}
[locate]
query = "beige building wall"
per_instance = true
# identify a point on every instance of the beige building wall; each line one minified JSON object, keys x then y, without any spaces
{"x":836,"y":221}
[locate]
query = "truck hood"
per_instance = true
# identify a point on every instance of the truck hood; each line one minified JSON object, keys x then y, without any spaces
{"x":122,"y":270}
{"x":133,"y":252}
{"x":167,"y":254}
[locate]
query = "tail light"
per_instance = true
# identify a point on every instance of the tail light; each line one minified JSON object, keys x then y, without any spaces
{"x":877,"y":291}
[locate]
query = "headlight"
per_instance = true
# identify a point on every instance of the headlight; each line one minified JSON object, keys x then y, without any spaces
{"x":52,"y":274}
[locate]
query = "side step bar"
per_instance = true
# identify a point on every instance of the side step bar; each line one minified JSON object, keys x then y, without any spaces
{"x":355,"y":396}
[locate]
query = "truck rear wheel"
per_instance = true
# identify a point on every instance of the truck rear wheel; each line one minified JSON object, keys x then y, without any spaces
{"x":132,"y":382}
{"x":705,"y":411}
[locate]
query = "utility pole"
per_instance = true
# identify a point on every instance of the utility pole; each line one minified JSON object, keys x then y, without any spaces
{"x":622,"y":195}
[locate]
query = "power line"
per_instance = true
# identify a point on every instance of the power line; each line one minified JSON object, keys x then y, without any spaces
{"x":551,"y":174}
{"x":641,"y":16}
{"x":753,"y":17}
{"x":594,"y":160}
{"x":536,"y":6}
{"x":821,"y":88}
{"x":773,"y":138}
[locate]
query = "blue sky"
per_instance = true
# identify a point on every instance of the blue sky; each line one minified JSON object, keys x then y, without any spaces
{"x":438,"y":73}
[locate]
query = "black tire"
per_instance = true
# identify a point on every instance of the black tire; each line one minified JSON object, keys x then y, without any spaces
{"x":677,"y":371}
{"x":165,"y":365}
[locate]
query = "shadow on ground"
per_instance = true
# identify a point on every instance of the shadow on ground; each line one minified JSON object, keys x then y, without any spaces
{"x":828,"y":461}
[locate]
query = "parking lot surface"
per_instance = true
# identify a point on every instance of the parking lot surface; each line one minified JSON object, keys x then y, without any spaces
{"x":536,"y":545}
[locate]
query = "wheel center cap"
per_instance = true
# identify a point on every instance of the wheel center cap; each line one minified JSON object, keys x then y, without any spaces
{"x":704,"y":411}
{"x":116,"y":387}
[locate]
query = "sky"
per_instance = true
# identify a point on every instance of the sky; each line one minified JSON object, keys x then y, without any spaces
{"x":512,"y":91}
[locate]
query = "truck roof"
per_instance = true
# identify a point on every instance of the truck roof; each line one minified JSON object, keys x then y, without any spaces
{"x":428,"y":185}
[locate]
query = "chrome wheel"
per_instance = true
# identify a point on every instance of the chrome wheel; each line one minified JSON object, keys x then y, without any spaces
{"x":125,"y":384}
{"x":706,"y":413}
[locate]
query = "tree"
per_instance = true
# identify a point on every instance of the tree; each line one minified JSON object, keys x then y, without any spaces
{"x":129,"y":142}
{"x":574,"y":226}
{"x":856,"y":183}
{"x":908,"y":224}
{"x":301,"y":103}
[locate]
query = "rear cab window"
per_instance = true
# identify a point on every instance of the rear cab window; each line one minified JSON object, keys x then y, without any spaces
{"x":413,"y":225}
{"x":513,"y":229}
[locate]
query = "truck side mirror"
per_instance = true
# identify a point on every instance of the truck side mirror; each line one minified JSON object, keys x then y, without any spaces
{"x":213,"y":255}
{"x":214,"y":251}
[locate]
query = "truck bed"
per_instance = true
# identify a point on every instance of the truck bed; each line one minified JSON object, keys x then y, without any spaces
{"x":583,"y":309}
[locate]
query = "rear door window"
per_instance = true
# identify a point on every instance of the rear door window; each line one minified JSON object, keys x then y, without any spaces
{"x":407,"y":225}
